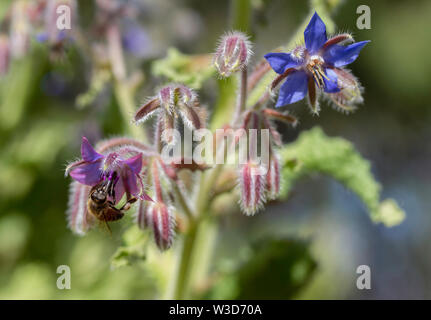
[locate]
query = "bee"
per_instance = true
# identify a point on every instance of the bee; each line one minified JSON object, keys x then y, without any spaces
{"x":100,"y":205}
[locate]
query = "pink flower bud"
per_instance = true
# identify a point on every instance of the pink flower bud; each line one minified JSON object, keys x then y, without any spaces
{"x":273,"y":177}
{"x":232,"y":54}
{"x":173,"y":97}
{"x":160,"y":219}
{"x":252,"y":185}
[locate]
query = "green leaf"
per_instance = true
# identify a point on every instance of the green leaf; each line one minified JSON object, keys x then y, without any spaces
{"x":274,"y":269}
{"x":191,"y":70}
{"x":336,"y":157}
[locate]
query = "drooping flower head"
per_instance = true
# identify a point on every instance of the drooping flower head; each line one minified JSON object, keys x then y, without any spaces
{"x":318,"y":63}
{"x":95,"y":168}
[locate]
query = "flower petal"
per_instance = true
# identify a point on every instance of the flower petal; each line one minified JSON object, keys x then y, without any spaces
{"x":190,"y":116}
{"x":147,"y":110}
{"x":340,"y":56}
{"x":315,"y":34}
{"x":293,"y":89}
{"x":135,"y":163}
{"x":88,"y":173}
{"x":87,"y":151}
{"x":331,"y":84}
{"x":281,"y":61}
{"x":119,"y":191}
{"x":130,"y":183}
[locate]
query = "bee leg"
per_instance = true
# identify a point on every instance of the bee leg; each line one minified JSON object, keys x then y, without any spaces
{"x":127,"y":205}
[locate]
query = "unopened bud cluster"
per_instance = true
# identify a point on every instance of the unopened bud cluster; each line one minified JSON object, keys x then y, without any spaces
{"x":171,"y":102}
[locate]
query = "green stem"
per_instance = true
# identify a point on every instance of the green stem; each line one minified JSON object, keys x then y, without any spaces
{"x":180,"y":290}
{"x":242,"y":94}
{"x":182,"y":201}
{"x":241,"y":14}
{"x":181,"y":285}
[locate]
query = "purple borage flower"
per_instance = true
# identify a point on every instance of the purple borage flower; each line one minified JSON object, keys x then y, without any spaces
{"x":94,"y":168}
{"x":319,"y":63}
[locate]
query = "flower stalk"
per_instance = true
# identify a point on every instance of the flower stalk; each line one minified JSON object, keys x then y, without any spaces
{"x":242,"y":96}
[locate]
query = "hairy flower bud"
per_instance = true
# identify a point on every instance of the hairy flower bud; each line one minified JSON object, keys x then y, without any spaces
{"x":232,"y":54}
{"x":252,"y":185}
{"x":160,"y":219}
{"x":273,"y":177}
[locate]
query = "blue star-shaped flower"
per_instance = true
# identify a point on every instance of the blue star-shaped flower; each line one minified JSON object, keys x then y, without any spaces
{"x":319,"y":63}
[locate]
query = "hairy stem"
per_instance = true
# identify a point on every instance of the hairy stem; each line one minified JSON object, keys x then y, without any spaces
{"x":242,"y":96}
{"x":182,"y":201}
{"x":180,"y":290}
{"x":181,"y":287}
{"x":241,"y":14}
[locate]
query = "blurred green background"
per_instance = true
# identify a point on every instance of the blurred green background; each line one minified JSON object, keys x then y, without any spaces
{"x":40,"y":130}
